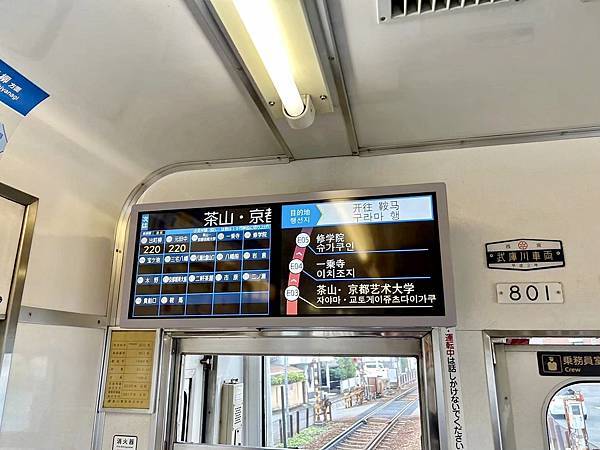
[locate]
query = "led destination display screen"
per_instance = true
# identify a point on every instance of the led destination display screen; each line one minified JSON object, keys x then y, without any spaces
{"x":364,"y":257}
{"x":367,"y":256}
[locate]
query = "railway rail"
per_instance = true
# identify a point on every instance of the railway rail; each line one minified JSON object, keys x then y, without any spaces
{"x":370,"y":431}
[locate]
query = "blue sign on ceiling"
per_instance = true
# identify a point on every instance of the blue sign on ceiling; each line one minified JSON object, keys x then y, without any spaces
{"x":17,"y":92}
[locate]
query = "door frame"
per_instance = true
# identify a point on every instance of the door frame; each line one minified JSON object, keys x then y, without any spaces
{"x":421,"y":344}
{"x":492,"y":338}
{"x":8,"y":326}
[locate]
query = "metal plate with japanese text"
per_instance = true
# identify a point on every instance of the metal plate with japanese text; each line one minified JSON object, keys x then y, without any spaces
{"x":567,"y":364}
{"x":525,"y":254}
{"x":130,"y":372}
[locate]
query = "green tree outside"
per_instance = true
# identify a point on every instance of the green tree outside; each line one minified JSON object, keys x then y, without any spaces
{"x":293,"y":377}
{"x":347,"y":368}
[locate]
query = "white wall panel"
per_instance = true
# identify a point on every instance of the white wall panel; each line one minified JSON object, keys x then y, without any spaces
{"x":128,"y":424}
{"x":52,"y":387}
{"x":542,"y":190}
{"x":11,"y":219}
{"x":81,"y":192}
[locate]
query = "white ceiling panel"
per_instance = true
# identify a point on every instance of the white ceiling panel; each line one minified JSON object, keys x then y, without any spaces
{"x":139,"y":84}
{"x":137,"y":76}
{"x":497,"y":69}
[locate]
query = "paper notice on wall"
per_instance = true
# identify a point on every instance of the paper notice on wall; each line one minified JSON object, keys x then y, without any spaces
{"x":452,"y":391}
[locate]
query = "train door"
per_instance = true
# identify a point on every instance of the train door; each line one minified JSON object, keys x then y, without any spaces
{"x":546,"y":398}
{"x":277,"y":391}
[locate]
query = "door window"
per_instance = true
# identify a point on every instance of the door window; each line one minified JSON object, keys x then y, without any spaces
{"x":573,"y":417}
{"x":308,"y":402}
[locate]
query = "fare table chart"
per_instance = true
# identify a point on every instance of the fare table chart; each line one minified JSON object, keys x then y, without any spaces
{"x":219,"y":266}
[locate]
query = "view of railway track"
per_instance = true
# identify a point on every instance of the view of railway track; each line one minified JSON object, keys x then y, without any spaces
{"x":380,"y":427}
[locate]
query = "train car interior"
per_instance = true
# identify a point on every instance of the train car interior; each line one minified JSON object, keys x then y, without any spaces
{"x":299,"y":224}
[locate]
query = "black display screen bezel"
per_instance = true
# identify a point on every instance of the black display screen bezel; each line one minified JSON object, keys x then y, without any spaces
{"x":445,"y":317}
{"x":276,"y":300}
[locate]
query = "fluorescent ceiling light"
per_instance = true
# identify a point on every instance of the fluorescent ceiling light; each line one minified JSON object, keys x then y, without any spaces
{"x":260,"y":23}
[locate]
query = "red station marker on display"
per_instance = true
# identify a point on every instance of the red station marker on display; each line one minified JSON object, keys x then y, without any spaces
{"x":291,"y":294}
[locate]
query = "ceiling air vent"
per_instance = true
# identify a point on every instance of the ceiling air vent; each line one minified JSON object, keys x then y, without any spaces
{"x":395,"y":9}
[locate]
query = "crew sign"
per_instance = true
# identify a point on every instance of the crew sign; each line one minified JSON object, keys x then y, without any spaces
{"x":568,"y":364}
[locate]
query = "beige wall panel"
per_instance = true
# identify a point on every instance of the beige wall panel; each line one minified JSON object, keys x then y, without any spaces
{"x":81,"y":193}
{"x":543,"y":190}
{"x":52,"y":387}
{"x":139,"y":425}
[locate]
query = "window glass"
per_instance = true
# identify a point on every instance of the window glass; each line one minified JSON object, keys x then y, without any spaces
{"x":574,"y":418}
{"x":343,"y":402}
{"x":308,"y":402}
